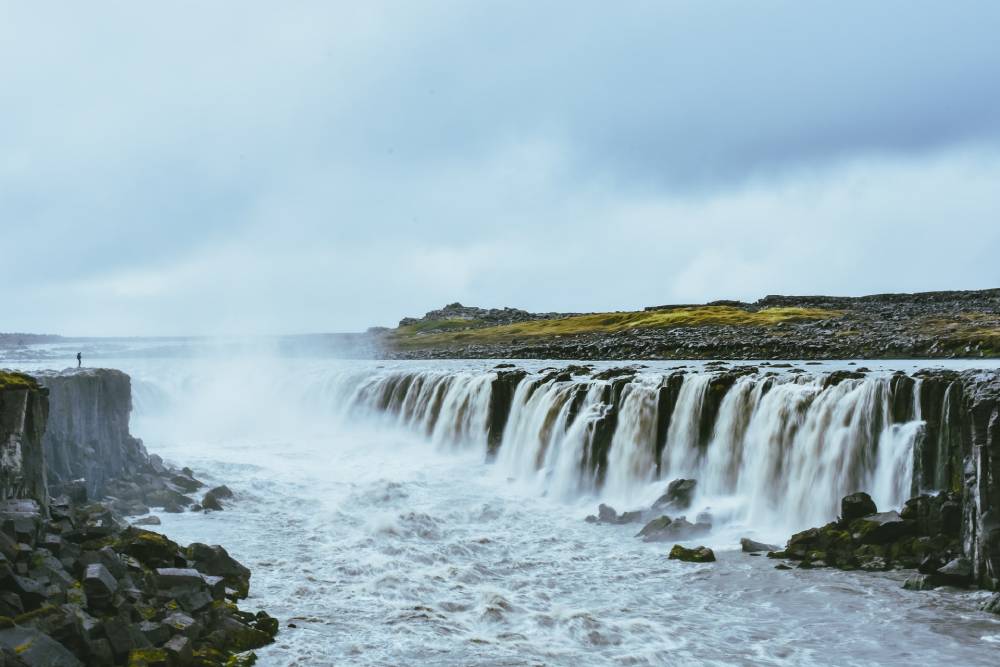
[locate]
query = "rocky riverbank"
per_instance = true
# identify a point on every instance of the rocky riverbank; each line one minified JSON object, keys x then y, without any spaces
{"x":79,"y":584}
{"x":924,"y":325}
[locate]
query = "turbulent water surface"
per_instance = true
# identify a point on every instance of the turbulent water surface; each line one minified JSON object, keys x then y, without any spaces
{"x":373,"y":522}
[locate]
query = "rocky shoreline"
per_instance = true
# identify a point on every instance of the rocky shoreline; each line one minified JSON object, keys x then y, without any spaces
{"x":929,"y":325}
{"x":80,"y":585}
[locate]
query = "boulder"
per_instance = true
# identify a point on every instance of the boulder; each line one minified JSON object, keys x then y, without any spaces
{"x":880,"y":528}
{"x":99,"y":585}
{"x":211,"y":502}
{"x":856,"y":505}
{"x":957,"y":572}
{"x":921,"y":582}
{"x":750,"y":546}
{"x":37,"y":649}
{"x":151,"y":520}
{"x":678,"y":495}
{"x":696,"y":555}
{"x":606,"y":513}
{"x":992,"y":605}
{"x":656,"y":530}
{"x":216,"y":561}
{"x":223,"y":492}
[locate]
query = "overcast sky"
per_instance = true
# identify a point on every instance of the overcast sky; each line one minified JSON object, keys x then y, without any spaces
{"x":269,"y":167}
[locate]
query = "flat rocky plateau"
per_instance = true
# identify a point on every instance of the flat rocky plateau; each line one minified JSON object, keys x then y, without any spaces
{"x":932,"y":325}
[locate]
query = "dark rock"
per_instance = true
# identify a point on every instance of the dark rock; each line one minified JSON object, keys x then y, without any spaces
{"x":750,"y":546}
{"x":223,"y":492}
{"x":880,"y":528}
{"x":957,"y":572}
{"x":857,"y":505}
{"x":174,"y":577}
{"x":992,"y":605}
{"x":678,"y":495}
{"x":930,"y":564}
{"x":179,"y":649}
{"x":696,"y":555}
{"x":37,"y":649}
{"x":656,"y":530}
{"x":216,"y":561}
{"x":211,"y":502}
{"x":181,"y":623}
{"x":99,"y":585}
{"x":921,"y":582}
{"x":606,"y":514}
{"x":151,"y":520}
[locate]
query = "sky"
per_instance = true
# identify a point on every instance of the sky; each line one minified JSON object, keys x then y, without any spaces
{"x":313,"y":166}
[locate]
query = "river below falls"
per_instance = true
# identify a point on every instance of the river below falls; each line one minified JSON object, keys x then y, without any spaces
{"x":382,"y":549}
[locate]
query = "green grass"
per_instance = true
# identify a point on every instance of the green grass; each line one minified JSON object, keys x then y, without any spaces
{"x":17,"y":381}
{"x":693,"y":316}
{"x":436,"y":325}
{"x":980,"y":330}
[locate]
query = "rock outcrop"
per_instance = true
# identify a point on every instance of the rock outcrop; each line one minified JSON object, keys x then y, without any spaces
{"x":78,"y":585}
{"x":24,"y":406}
{"x":87,"y":435}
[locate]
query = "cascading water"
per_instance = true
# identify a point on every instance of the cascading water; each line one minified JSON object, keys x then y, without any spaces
{"x":782,"y":449}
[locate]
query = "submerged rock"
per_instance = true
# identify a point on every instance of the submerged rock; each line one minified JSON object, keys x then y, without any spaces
{"x":608,"y":514}
{"x":656,"y":530}
{"x":695,"y":555}
{"x":750,"y":546}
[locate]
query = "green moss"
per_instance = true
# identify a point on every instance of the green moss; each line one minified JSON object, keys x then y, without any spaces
{"x":9,"y":380}
{"x":147,"y":657}
{"x":694,"y":316}
{"x":41,"y":612}
{"x":438,"y":325}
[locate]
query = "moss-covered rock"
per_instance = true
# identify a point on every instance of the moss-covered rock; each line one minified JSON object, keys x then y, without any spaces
{"x":695,"y":555}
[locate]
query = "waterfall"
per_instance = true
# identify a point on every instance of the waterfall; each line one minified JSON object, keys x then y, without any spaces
{"x":632,"y":459}
{"x":770,"y":450}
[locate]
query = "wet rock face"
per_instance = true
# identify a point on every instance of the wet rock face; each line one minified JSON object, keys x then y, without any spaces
{"x":981,"y":501}
{"x":24,"y":408}
{"x":87,"y":434}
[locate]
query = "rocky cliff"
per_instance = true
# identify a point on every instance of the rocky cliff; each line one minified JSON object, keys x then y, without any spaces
{"x":980,"y":420}
{"x":87,"y":436}
{"x":80,"y":586}
{"x":23,"y":409}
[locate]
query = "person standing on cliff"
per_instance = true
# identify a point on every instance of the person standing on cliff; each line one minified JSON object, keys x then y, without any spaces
{"x":79,"y":359}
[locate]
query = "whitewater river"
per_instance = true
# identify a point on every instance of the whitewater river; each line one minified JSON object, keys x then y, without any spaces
{"x":386,"y":544}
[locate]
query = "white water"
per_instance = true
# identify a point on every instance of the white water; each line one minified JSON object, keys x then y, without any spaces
{"x":372,"y":521}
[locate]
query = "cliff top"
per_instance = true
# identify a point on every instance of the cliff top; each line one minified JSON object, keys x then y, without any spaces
{"x":15,"y":380}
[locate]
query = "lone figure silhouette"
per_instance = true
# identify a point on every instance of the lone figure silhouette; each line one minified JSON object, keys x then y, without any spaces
{"x":79,"y":359}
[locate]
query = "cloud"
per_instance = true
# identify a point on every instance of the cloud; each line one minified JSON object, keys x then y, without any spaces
{"x":252,"y":167}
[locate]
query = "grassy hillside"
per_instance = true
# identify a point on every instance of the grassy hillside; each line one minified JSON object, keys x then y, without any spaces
{"x":412,"y":335}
